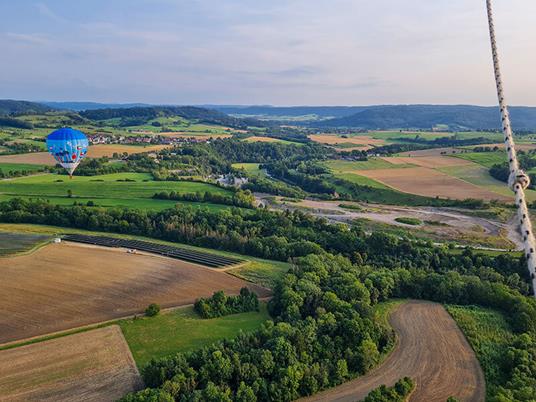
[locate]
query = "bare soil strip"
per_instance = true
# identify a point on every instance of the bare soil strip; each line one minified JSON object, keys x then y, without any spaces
{"x":431,"y":350}
{"x":64,"y":286}
{"x":92,"y":366}
{"x":430,"y":183}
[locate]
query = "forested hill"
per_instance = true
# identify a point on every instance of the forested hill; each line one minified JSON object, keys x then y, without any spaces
{"x":187,"y":112}
{"x":429,"y":116}
{"x":281,"y":112}
{"x":79,"y":106}
{"x":389,"y":116}
{"x":9,"y":106}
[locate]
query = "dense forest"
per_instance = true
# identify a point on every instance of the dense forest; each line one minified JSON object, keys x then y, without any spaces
{"x":324,"y":332}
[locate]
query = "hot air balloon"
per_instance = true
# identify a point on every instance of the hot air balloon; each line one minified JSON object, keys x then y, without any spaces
{"x":68,"y":147}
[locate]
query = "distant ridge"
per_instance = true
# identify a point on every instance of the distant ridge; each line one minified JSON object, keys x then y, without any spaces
{"x":79,"y":106}
{"x":455,"y":117}
{"x":10,"y":107}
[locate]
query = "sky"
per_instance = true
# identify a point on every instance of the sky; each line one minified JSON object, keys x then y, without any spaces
{"x":278,"y":52}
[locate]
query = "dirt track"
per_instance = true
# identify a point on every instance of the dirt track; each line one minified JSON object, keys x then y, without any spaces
{"x":63,"y":286}
{"x":90,"y":366}
{"x":431,"y":350}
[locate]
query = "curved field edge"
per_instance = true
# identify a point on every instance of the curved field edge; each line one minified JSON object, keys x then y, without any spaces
{"x":431,"y":349}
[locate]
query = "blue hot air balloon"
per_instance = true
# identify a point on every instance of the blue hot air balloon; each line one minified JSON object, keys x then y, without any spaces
{"x":68,"y":147}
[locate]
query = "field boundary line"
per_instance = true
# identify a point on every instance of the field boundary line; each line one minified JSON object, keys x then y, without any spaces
{"x":84,"y":328}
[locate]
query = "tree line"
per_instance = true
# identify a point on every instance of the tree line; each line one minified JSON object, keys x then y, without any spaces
{"x":219,"y":305}
{"x":272,"y":235}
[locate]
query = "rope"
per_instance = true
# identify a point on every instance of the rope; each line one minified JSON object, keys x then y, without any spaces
{"x":518,"y":180}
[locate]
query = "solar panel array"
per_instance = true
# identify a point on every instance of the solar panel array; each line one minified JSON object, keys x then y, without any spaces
{"x":197,"y":257}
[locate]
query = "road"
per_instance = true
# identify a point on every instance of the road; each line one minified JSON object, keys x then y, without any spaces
{"x":431,"y":350}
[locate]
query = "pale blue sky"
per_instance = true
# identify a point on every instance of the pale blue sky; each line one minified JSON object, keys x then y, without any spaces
{"x":281,"y":52}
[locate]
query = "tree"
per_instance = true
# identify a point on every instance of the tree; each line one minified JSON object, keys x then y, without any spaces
{"x":152,"y":310}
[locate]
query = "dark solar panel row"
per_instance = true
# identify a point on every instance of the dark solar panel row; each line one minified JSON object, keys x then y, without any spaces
{"x":198,"y":257}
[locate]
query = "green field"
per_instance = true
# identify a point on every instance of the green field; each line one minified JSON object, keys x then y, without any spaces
{"x":487,"y":159}
{"x":18,"y":167}
{"x":12,"y":242}
{"x":262,"y":272}
{"x":479,"y":176}
{"x":490,"y":336}
{"x":105,"y":190}
{"x":182,"y":330}
{"x":361,"y":180}
{"x":250,"y":168}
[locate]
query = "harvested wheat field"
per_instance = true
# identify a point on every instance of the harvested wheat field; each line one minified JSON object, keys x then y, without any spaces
{"x":432,"y":162}
{"x":38,"y":158}
{"x":334,"y":140}
{"x":63,"y":286}
{"x":431,"y":350}
{"x":89,"y":366}
{"x":98,"y":151}
{"x":430,"y":183}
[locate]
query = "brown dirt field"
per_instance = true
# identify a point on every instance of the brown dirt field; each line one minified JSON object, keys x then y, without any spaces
{"x":334,"y":140}
{"x":91,"y":366}
{"x":432,"y":162}
{"x":431,"y":350}
{"x":39,"y":158}
{"x":94,"y":151}
{"x":98,"y":151}
{"x":64,"y":286}
{"x":430,"y":183}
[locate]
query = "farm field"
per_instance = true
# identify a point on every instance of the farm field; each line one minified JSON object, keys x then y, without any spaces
{"x":432,"y":162}
{"x":18,"y":167}
{"x":430,"y":183}
{"x":116,"y":185}
{"x":34,"y":158}
{"x":182,"y":330}
{"x":250,"y":168}
{"x":256,"y":270}
{"x":134,"y":203}
{"x":480,"y":176}
{"x":76,"y":285}
{"x":91,"y":366}
{"x":487,"y":159}
{"x":431,"y":350}
{"x":12,"y":243}
{"x":342,"y":166}
{"x":332,"y":139}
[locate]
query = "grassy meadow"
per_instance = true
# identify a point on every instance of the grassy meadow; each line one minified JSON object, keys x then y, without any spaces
{"x":134,"y":190}
{"x":490,"y":335}
{"x":182,"y":330}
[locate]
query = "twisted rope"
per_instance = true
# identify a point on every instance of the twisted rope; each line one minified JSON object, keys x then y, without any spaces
{"x":518,"y":180}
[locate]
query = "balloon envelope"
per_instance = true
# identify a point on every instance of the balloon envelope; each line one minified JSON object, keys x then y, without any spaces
{"x":68,"y":147}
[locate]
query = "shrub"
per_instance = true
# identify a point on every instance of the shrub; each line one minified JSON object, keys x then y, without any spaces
{"x":152,"y":310}
{"x":408,"y":221}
